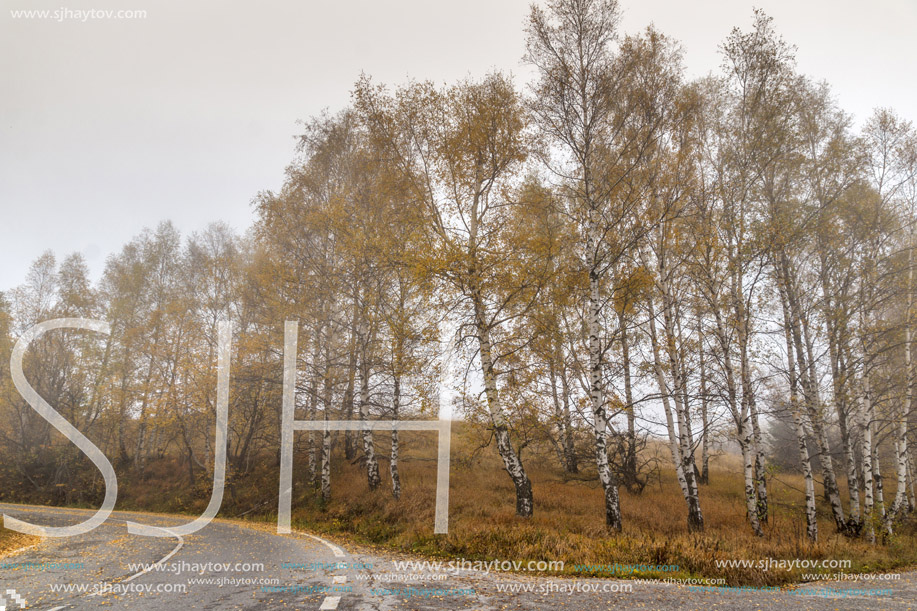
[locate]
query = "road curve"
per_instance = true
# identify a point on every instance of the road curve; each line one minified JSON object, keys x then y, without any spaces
{"x":235,"y":565}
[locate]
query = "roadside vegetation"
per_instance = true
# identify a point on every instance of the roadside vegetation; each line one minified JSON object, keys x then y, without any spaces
{"x":568,"y":527}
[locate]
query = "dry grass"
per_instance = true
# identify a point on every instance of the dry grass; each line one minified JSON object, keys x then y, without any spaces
{"x":569,"y":523}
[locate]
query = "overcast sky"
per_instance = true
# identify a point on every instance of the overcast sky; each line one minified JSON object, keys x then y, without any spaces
{"x":108,"y":126}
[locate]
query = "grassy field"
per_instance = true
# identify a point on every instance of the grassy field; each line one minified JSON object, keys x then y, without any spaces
{"x":568,"y":524}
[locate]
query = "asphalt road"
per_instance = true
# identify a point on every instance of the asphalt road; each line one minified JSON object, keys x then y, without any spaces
{"x":235,"y":565}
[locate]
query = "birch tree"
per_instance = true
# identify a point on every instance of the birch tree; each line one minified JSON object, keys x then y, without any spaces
{"x":458,"y":150}
{"x":589,"y":102}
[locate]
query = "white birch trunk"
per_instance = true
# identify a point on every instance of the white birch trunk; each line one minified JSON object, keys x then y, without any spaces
{"x":837,"y":345}
{"x":369,"y":446}
{"x":705,"y":432}
{"x":810,"y":395}
{"x":325,"y":447}
{"x":746,"y":442}
{"x":597,"y":400}
{"x":911,"y":503}
{"x":524,"y":501}
{"x":899,"y":505}
{"x":866,"y":458}
{"x":326,"y":464}
{"x":743,"y":435}
{"x":630,"y":460}
{"x":396,"y":478}
{"x":313,"y":468}
{"x":686,"y":479}
{"x":880,"y":489}
{"x":798,"y":424}
{"x":811,"y":517}
{"x":680,"y":397}
{"x":901,"y":501}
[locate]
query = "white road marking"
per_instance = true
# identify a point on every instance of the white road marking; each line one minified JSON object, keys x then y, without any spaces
{"x":334,"y":548}
{"x":330,"y":603}
{"x":181,"y":543}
